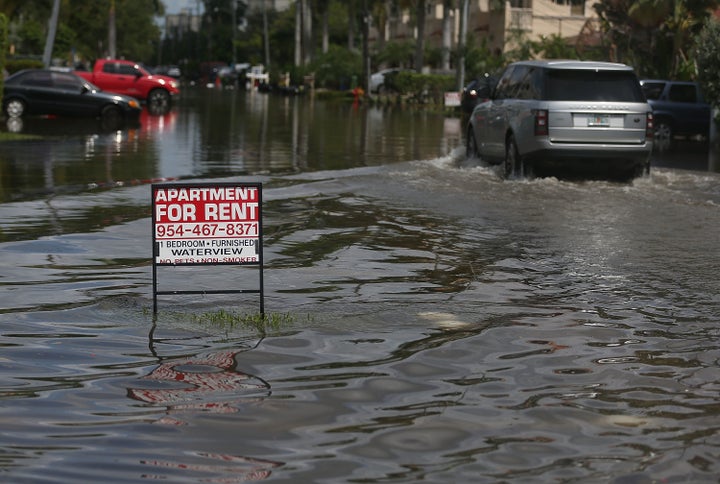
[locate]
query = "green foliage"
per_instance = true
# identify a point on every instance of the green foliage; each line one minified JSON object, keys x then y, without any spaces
{"x":654,"y":36}
{"x":396,"y":54}
{"x":554,"y":47}
{"x":424,"y":87}
{"x":3,"y":49}
{"x":337,"y":68}
{"x":137,"y":33}
{"x":479,"y":59}
{"x":707,"y":56}
{"x":14,"y":64}
{"x":261,"y":323}
{"x":32,"y":37}
{"x":83,"y":27}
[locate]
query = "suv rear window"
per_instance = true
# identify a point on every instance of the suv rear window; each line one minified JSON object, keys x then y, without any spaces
{"x":683,"y":93}
{"x":591,"y":85}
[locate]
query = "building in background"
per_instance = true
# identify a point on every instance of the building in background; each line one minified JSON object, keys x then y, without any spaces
{"x":500,"y":23}
{"x":176,"y":25}
{"x":278,"y":5}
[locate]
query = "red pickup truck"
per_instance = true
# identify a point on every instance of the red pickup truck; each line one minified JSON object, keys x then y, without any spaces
{"x":129,"y":78}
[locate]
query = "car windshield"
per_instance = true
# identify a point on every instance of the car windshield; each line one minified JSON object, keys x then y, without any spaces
{"x":592,"y":85}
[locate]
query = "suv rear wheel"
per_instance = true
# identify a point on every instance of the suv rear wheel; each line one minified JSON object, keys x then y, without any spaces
{"x":663,"y":136}
{"x":512,"y":160}
{"x":471,"y":150}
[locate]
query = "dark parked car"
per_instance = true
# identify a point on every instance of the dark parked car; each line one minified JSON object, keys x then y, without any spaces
{"x":570,"y":116}
{"x":50,"y":92}
{"x":476,"y":91}
{"x":679,"y":110}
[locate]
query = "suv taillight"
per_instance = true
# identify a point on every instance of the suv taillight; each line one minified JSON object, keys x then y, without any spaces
{"x":649,"y":127}
{"x":541,"y":122}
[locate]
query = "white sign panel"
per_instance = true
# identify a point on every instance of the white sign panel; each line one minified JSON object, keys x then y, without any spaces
{"x":452,"y":99}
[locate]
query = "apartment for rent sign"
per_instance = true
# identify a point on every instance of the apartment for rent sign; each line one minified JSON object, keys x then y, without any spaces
{"x":206,"y":224}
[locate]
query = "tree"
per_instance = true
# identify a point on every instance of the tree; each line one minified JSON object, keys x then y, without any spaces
{"x":707,"y":56}
{"x":446,"y":34}
{"x":655,"y":36}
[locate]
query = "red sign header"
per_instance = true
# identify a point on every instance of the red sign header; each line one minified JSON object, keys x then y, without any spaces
{"x":206,"y":204}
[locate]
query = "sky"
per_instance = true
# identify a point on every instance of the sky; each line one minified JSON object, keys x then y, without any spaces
{"x":174,"y":6}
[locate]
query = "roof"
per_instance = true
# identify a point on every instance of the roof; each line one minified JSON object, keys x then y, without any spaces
{"x":575,"y":64}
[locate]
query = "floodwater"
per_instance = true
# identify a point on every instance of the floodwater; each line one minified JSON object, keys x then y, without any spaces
{"x":428,"y":321}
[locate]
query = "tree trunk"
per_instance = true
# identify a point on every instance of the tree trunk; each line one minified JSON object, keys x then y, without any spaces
{"x":446,"y":35}
{"x":462,"y":36}
{"x":420,"y":41}
{"x":52,"y":28}
{"x":325,"y":31}
{"x":366,"y":48}
{"x":307,"y":44}
{"x":351,"y":25}
{"x":299,"y":9}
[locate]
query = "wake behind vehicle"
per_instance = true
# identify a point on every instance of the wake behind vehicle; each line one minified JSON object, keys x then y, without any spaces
{"x":570,"y":116}
{"x":49,"y":92}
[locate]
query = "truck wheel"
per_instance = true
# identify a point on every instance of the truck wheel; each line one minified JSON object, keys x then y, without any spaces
{"x":158,"y":101}
{"x":14,"y":108}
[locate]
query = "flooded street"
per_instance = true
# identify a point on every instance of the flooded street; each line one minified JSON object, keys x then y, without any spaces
{"x":429,"y":321}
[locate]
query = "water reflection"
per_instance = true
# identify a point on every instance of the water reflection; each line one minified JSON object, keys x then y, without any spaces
{"x":209,"y":383}
{"x":448,"y":326}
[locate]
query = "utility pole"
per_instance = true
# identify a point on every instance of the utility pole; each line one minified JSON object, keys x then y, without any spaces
{"x":234,"y":32}
{"x":299,"y":7}
{"x":112,"y":45}
{"x":366,"y":47}
{"x":462,"y":36}
{"x":52,"y":28}
{"x":266,"y":38}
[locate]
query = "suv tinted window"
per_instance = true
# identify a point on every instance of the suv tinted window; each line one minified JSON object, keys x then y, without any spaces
{"x":653,"y":90}
{"x":529,"y":86}
{"x":502,"y":89}
{"x":591,"y":85}
{"x":682,"y":93}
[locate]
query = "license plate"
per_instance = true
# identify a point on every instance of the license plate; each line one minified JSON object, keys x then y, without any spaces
{"x":601,"y":121}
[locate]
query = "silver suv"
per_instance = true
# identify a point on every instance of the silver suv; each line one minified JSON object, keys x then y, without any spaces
{"x":577,"y":116}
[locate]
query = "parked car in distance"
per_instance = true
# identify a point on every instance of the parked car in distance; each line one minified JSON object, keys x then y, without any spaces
{"x":131,"y":79}
{"x":49,"y":92}
{"x":679,"y":109}
{"x":381,"y":82}
{"x":171,"y":71}
{"x":571,"y":116}
{"x":475,"y":91}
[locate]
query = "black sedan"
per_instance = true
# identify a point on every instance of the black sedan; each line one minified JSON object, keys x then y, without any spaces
{"x":476,"y":91}
{"x":50,"y":92}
